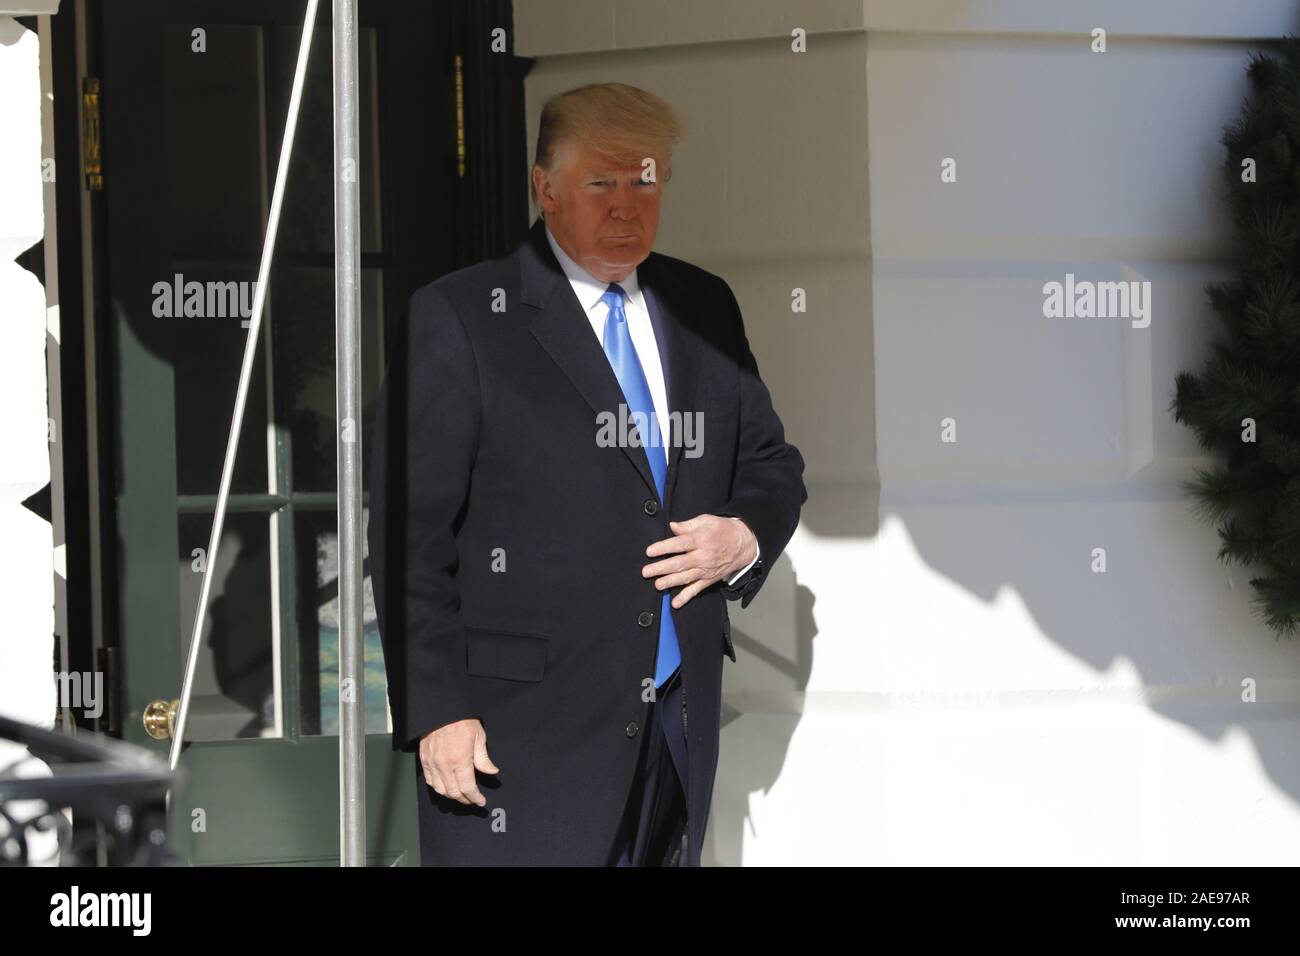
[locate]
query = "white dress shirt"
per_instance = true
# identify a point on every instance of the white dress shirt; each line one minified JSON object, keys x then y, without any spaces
{"x":589,"y":291}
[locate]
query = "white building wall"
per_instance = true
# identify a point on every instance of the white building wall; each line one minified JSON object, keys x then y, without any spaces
{"x":27,"y":687}
{"x":26,"y":578}
{"x":935,"y":674}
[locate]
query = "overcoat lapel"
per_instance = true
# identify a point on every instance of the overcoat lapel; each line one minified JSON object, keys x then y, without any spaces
{"x":679,"y":343}
{"x":562,"y":329}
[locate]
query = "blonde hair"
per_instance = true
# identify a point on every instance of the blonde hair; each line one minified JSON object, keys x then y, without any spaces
{"x":617,"y":119}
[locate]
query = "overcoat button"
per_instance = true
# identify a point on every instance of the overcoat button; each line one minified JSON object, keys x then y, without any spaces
{"x":632,"y":728}
{"x":645,"y":618}
{"x":650,"y":507}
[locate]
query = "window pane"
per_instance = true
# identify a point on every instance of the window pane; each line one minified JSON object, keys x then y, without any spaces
{"x":307,"y":223}
{"x":207,"y":351}
{"x":316,"y":545}
{"x":235,"y":689}
{"x":304,"y":368}
{"x":213,"y":111}
{"x":213,"y":103}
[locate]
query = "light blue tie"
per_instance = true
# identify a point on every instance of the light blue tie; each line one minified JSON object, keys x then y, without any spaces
{"x":636,"y":392}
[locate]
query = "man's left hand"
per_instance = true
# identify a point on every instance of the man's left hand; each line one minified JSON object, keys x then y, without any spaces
{"x":704,"y":550}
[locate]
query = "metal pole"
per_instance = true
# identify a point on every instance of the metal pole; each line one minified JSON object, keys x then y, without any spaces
{"x":347,"y":335}
{"x":245,"y":375}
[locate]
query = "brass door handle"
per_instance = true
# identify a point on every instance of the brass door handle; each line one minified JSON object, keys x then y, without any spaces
{"x":160,"y":718}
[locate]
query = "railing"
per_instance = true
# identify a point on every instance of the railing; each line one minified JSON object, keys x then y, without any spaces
{"x":118,"y":787}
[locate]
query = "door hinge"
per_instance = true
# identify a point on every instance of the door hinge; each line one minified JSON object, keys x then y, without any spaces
{"x":91,"y":157}
{"x":110,"y":722}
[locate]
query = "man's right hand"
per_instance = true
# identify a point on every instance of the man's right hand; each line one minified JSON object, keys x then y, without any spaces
{"x":451,"y":754}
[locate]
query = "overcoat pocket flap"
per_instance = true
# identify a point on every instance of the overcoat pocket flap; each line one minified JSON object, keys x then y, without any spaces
{"x":505,"y":654}
{"x":726,"y":636}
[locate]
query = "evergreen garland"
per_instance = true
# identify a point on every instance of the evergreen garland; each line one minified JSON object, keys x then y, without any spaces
{"x":1245,"y":405}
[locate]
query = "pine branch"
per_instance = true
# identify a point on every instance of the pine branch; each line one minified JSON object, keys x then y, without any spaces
{"x":1277,"y":602}
{"x":1252,"y":373}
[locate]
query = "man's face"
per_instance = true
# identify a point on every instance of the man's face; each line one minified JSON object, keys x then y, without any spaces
{"x":602,"y":211}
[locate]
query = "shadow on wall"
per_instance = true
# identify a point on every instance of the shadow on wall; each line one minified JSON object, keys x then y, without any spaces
{"x":729,"y":815}
{"x":774,"y":665}
{"x":1166,"y":627}
{"x":1190,"y":648}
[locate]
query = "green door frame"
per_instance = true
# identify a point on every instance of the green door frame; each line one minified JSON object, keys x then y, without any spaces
{"x":287,"y":784}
